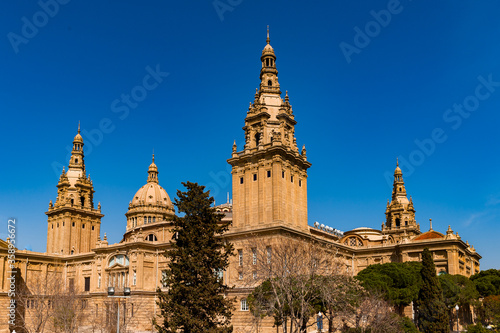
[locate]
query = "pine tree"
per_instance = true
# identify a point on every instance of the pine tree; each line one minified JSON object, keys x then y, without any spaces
{"x":432,"y":311}
{"x":196,"y":301}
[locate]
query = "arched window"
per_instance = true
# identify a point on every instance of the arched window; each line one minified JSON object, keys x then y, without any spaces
{"x":257,"y":139}
{"x":119,"y":259}
{"x":151,"y":238}
{"x":269,"y":83}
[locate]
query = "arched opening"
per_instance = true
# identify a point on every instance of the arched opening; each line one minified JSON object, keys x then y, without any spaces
{"x":76,"y":160}
{"x":151,"y":238}
{"x":82,"y":200}
{"x":270,"y":83}
{"x":267,"y":62}
{"x":257,"y":139}
{"x":398,"y":222}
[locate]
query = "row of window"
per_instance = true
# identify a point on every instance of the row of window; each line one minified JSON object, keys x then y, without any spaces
{"x":254,"y":255}
{"x":73,"y":224}
{"x":242,"y":179}
{"x":254,"y":275}
{"x":33,"y":303}
{"x":147,"y":219}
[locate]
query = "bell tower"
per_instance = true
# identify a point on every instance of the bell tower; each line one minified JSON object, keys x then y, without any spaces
{"x":73,"y":222}
{"x":400,"y":213}
{"x":270,"y":174}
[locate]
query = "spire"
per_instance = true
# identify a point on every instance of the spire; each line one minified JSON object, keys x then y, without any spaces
{"x":153,"y":172}
{"x":398,"y":190}
{"x":268,"y":73}
{"x":76,"y":160}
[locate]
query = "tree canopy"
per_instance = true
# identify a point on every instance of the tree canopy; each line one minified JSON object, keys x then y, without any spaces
{"x":458,"y":290}
{"x":398,"y":282}
{"x":487,"y":282}
{"x":195,"y":300}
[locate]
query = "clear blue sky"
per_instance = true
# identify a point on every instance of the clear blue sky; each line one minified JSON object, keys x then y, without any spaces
{"x":365,"y":87}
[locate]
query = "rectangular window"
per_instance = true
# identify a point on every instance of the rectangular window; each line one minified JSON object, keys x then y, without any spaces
{"x":241,"y":180}
{"x":244,"y":305}
{"x":291,"y":179}
{"x":164,"y":283}
{"x":300,"y":182}
{"x":220,"y":274}
{"x":282,"y":174}
{"x":240,"y":276}
{"x":268,"y":173}
{"x":254,"y":177}
{"x":254,"y":256}
{"x":92,"y":227}
{"x":83,"y":226}
{"x":254,"y":275}
{"x":240,"y":257}
{"x":154,"y":219}
{"x":71,"y":284}
{"x":145,"y":220}
{"x":269,"y":253}
{"x":134,"y":279}
{"x":99,"y":281}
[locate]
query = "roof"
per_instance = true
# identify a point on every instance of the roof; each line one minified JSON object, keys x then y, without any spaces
{"x":431,"y":234}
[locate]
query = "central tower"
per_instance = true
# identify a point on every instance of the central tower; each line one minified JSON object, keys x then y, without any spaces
{"x":269,"y":174}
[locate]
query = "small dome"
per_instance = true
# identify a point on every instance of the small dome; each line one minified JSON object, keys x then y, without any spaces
{"x":398,"y":169}
{"x":153,"y":167}
{"x":268,"y":49}
{"x":78,"y":138}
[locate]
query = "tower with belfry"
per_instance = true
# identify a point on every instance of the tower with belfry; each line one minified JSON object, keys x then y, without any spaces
{"x":73,"y":222}
{"x":269,"y":174}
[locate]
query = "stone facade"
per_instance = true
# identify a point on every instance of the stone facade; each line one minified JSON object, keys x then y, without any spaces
{"x":269,"y":179}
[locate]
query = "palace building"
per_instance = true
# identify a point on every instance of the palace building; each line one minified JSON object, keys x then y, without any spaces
{"x":269,"y":186}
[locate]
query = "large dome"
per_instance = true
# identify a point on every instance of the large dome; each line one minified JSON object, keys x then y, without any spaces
{"x":151,"y":194}
{"x":150,"y":204}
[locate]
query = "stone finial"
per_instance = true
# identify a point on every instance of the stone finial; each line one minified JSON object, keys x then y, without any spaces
{"x":234,"y":146}
{"x":430,"y":222}
{"x":449,"y":231}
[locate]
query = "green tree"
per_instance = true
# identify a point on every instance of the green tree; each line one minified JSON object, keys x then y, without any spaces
{"x":398,"y":282}
{"x":491,"y":306}
{"x":195,"y":300}
{"x":459,"y":290}
{"x":487,"y":282}
{"x":432,"y":311}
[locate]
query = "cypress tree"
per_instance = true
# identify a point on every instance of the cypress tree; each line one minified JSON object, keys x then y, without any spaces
{"x":432,"y":311}
{"x":195,"y":300}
